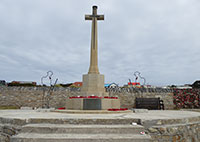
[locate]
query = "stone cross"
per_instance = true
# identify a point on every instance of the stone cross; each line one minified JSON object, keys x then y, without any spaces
{"x":94,"y":42}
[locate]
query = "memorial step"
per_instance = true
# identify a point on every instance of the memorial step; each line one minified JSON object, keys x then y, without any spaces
{"x":82,"y":129}
{"x":86,"y":121}
{"x":35,"y":137}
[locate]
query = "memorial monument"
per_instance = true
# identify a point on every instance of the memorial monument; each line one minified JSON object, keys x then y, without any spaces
{"x":93,"y":95}
{"x":93,"y":82}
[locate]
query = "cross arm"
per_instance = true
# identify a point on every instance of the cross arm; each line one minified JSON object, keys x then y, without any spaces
{"x":100,"y":17}
{"x":89,"y":17}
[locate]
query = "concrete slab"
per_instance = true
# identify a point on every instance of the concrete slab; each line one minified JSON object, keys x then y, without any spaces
{"x":150,"y":115}
{"x":32,"y":137}
{"x":153,"y":117}
{"x":140,"y":110}
{"x":82,"y":129}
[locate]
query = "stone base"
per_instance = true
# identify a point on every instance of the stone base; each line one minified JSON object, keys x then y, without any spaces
{"x":91,"y":111}
{"x":140,"y":110}
{"x":93,"y":84}
{"x":92,"y":104}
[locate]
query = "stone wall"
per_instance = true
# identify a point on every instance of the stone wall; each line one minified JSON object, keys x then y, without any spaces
{"x":127,"y":95}
{"x":182,"y":132}
{"x":8,"y":130}
{"x":32,"y":96}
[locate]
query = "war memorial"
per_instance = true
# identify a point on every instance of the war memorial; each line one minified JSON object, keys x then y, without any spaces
{"x":94,"y":114}
{"x":93,"y":95}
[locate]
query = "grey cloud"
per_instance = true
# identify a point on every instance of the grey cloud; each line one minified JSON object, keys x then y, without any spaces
{"x":158,"y":38}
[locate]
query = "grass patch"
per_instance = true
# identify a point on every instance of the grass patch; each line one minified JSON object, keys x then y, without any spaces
{"x":9,"y":107}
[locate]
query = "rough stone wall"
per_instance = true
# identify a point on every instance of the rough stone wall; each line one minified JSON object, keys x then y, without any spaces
{"x":7,"y":130}
{"x":127,"y":97}
{"x":32,"y":96}
{"x":176,"y":133}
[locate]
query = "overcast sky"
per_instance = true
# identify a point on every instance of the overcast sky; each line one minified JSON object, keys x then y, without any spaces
{"x":159,"y":38}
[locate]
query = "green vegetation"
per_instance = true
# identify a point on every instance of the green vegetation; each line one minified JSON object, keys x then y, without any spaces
{"x":23,"y":85}
{"x":9,"y":107}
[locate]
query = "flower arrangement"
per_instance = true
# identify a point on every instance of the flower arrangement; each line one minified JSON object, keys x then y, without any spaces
{"x":91,"y":97}
{"x":187,"y":98}
{"x":120,"y":109}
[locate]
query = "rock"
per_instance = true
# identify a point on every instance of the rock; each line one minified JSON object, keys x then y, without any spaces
{"x":9,"y":131}
{"x":159,"y":122}
{"x":162,"y":130}
{"x":172,"y":130}
{"x":153,"y":130}
{"x":4,"y":138}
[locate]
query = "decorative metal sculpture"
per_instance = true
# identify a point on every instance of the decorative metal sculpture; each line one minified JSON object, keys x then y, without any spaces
{"x":137,"y":75}
{"x":49,"y":74}
{"x":49,"y":92}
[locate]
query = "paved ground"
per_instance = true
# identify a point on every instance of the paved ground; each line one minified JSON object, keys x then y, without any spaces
{"x":43,"y":126}
{"x":150,"y":115}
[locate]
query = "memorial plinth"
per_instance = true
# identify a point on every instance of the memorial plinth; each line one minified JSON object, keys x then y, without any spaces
{"x":93,"y":95}
{"x":93,"y":84}
{"x":92,"y":103}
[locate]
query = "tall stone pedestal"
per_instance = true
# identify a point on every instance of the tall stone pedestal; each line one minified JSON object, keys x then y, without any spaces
{"x":93,"y":85}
